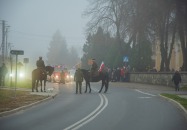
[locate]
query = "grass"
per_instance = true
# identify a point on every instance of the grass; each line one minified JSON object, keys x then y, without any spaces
{"x":184,"y":88}
{"x":175,"y":97}
{"x":10,"y":100}
{"x":26,"y":83}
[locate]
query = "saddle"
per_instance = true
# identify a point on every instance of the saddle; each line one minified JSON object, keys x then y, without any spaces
{"x":42,"y":70}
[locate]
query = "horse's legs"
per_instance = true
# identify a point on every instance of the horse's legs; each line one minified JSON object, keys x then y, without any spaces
{"x":44,"y":85}
{"x":33,"y":84}
{"x":86,"y":87}
{"x":106,"y":86}
{"x":41,"y":85}
{"x":37,"y":85}
{"x":102,"y":86}
{"x":89,"y":87}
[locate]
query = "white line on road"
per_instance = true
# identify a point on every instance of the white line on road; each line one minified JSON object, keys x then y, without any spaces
{"x":145,"y":93}
{"x":91,"y":116}
{"x":144,"y":97}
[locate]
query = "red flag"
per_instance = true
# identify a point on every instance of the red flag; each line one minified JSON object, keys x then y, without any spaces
{"x":101,"y":66}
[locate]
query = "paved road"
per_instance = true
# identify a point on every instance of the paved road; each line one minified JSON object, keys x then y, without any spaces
{"x":125,"y":106}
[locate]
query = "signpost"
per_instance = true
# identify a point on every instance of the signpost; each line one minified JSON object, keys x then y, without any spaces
{"x":125,"y":59}
{"x":16,"y":52}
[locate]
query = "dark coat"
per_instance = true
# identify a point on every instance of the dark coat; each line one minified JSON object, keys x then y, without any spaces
{"x":94,"y":66}
{"x":40,"y":64}
{"x":78,"y":77}
{"x":176,"y":78}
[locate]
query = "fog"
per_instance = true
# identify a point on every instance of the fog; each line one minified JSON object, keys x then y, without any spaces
{"x":34,"y":22}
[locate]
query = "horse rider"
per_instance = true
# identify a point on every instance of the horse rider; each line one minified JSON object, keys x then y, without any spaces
{"x":94,"y":68}
{"x":40,"y":64}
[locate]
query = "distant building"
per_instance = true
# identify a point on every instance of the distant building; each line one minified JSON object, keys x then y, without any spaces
{"x":176,"y":57}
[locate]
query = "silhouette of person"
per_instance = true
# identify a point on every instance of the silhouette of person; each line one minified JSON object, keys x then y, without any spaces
{"x":78,"y":78}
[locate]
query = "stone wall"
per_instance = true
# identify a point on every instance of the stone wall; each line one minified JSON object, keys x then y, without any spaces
{"x":157,"y":78}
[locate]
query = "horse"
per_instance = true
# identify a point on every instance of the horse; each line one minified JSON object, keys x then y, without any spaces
{"x":103,"y":76}
{"x":40,"y":75}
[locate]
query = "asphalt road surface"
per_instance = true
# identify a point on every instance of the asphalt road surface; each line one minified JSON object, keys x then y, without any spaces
{"x":124,"y":107}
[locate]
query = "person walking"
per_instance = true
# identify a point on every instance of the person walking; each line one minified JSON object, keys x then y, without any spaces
{"x":176,"y":79}
{"x":78,"y":78}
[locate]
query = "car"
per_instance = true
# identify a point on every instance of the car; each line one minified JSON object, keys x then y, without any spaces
{"x":57,"y":74}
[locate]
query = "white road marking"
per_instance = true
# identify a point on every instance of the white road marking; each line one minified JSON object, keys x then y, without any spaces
{"x":144,"y":97}
{"x":92,"y":115}
{"x":145,"y":93}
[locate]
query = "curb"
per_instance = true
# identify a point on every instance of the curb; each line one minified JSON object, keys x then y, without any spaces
{"x":176,"y":103}
{"x":6,"y":113}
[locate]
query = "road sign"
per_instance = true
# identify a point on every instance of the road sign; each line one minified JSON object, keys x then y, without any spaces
{"x":17,"y":52}
{"x":125,"y":59}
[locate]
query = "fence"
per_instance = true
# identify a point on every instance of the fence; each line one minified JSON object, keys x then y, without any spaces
{"x":157,"y":78}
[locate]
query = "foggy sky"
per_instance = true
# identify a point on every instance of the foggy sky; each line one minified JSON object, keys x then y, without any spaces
{"x":33,"y":23}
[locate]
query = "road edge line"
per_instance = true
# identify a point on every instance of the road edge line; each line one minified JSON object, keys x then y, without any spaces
{"x":177,"y":103}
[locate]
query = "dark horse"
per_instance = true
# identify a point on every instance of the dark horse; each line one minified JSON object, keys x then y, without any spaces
{"x":39,"y":75}
{"x":103,"y":76}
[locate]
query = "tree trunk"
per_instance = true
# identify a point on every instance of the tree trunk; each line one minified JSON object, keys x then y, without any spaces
{"x":182,"y":29}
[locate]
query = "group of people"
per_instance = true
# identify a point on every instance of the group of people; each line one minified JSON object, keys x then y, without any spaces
{"x":119,"y":74}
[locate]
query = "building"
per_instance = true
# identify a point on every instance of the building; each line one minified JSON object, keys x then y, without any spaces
{"x":176,"y":57}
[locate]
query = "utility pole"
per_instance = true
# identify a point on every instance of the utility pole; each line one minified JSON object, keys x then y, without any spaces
{"x":3,"y":40}
{"x":6,"y":48}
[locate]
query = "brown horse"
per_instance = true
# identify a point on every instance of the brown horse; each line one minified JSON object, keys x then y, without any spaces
{"x":40,"y":75}
{"x":103,"y":76}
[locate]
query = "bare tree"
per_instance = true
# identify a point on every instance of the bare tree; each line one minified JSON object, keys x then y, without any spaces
{"x":109,"y":14}
{"x":181,"y":12}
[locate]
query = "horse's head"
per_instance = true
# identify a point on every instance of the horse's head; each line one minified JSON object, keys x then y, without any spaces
{"x":50,"y":70}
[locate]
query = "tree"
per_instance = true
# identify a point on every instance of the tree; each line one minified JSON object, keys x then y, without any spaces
{"x":130,"y":21}
{"x":108,"y":14}
{"x":73,"y":57}
{"x":99,"y":46}
{"x":58,"y":53}
{"x":181,"y":14}
{"x":140,"y":56}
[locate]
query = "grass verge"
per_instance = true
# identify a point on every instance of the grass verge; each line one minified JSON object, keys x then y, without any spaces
{"x":10,"y":100}
{"x":26,"y":83}
{"x":175,"y":97}
{"x":184,"y":88}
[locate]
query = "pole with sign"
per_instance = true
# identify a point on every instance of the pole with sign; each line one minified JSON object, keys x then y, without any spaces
{"x":125,"y":60}
{"x":16,"y":52}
